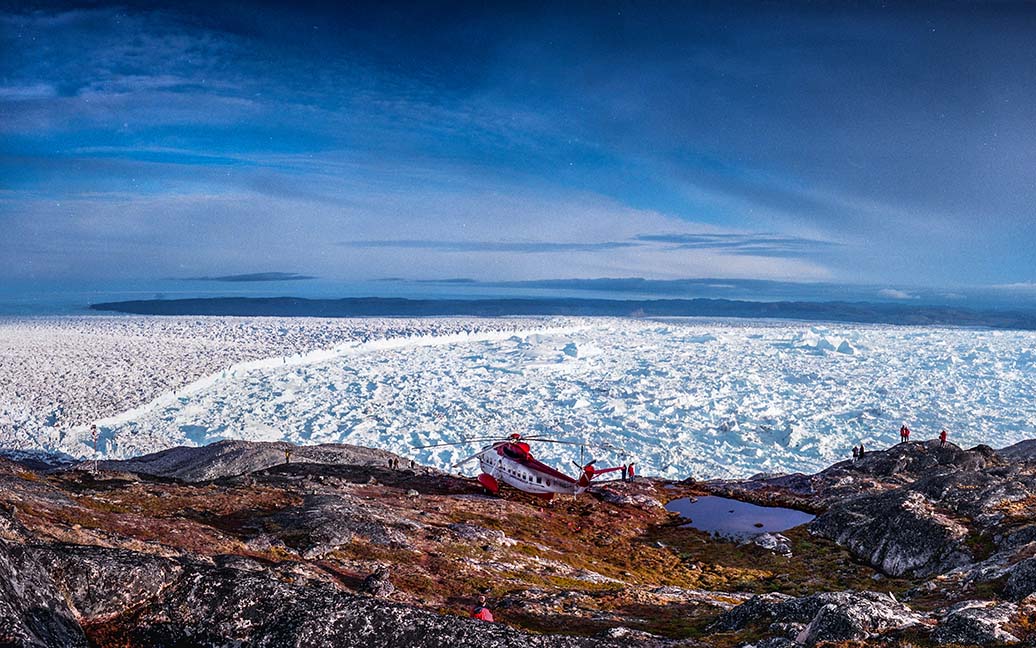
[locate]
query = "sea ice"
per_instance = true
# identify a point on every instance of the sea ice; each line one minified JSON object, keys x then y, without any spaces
{"x":683,"y":397}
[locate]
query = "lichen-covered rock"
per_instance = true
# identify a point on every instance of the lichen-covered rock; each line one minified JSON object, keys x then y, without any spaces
{"x":326,"y":522}
{"x":100,"y":581}
{"x":774,"y":542}
{"x":856,"y":618}
{"x":612,"y":496}
{"x":378,"y":583}
{"x":476,"y":533}
{"x":32,"y":612}
{"x":1021,"y":580}
{"x":772,"y":642}
{"x":899,"y":532}
{"x":831,"y":616}
{"x":628,"y":636}
{"x":976,"y":623}
{"x":217,"y":607}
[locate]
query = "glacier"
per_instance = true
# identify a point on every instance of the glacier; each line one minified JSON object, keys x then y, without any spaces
{"x":682,"y":397}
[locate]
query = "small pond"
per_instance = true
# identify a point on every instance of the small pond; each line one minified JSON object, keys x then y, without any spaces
{"x":733,"y":519}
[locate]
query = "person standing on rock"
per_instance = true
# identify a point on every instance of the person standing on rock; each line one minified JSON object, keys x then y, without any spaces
{"x":942,"y":438}
{"x":856,"y":454}
{"x":630,"y":471}
{"x":861,"y":450}
{"x":481,"y":611}
{"x":625,"y":472}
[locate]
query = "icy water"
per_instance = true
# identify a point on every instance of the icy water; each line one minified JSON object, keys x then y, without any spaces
{"x":733,"y":519}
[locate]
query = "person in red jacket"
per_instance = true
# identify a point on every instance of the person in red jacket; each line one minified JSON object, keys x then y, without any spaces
{"x":942,"y":438}
{"x":481,"y":611}
{"x":906,"y":433}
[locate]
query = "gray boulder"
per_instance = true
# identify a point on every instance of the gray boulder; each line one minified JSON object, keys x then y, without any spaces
{"x":378,"y":583}
{"x":1021,"y":580}
{"x":772,"y":642}
{"x":976,"y":623}
{"x":831,"y":616}
{"x":774,"y":542}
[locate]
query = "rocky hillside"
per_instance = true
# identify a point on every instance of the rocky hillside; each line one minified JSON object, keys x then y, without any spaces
{"x":229,"y":545}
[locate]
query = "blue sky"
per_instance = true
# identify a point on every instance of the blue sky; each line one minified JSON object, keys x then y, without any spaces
{"x":865,"y":144}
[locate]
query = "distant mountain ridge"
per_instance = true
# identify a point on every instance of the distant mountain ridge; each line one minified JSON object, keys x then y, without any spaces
{"x":836,"y":311}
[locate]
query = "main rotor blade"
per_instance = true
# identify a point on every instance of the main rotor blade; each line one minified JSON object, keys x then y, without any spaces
{"x":578,"y":443}
{"x":453,"y":443}
{"x":464,"y":461}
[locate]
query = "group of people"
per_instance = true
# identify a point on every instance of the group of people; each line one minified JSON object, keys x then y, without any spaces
{"x":393,"y":463}
{"x":628,"y":472}
{"x":858,"y":452}
{"x":904,"y":437}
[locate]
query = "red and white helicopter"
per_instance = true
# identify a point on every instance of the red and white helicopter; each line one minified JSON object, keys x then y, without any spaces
{"x":510,"y":461}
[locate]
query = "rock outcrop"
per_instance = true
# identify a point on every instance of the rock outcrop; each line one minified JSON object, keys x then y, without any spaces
{"x":32,"y":612}
{"x":1021,"y":580}
{"x":212,"y":606}
{"x":829,"y":616}
{"x":228,"y":458}
{"x":219,"y":546}
{"x":899,"y":532}
{"x":980,"y":623}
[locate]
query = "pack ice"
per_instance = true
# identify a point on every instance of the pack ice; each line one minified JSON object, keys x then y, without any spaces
{"x":679,"y":397}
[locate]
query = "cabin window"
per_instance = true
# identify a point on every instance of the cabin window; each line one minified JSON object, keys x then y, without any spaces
{"x":539,"y":481}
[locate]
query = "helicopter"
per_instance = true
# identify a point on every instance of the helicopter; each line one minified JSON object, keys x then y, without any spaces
{"x":510,"y":461}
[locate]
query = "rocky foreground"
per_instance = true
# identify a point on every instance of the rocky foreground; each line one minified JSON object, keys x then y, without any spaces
{"x":227,"y":545}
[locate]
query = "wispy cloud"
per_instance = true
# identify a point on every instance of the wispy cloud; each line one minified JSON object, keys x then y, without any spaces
{"x":164,"y":136}
{"x":742,"y":243}
{"x":763,"y":245}
{"x":491,"y":246}
{"x":27,"y":92}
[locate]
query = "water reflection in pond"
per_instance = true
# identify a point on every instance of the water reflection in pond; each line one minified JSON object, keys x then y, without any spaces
{"x":733,"y":519}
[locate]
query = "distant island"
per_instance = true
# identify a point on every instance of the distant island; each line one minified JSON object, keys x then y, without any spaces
{"x":257,"y":276}
{"x":861,"y":312}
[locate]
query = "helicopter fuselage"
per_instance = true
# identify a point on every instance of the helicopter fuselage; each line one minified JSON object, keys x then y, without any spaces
{"x":512,"y":464}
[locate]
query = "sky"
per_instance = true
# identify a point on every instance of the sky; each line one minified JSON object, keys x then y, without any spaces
{"x":888,"y":145}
